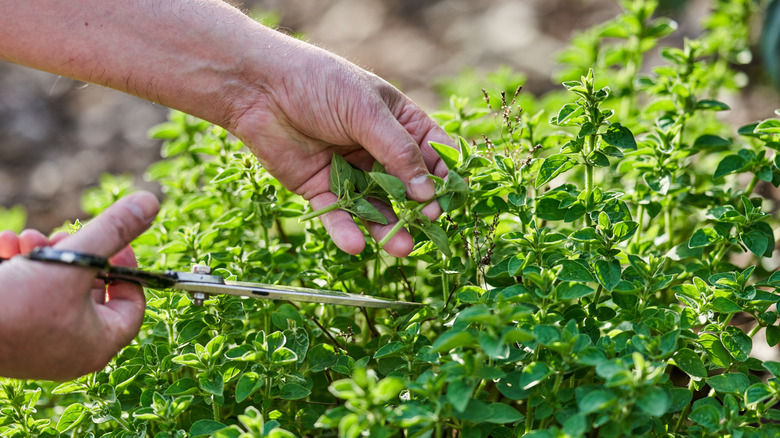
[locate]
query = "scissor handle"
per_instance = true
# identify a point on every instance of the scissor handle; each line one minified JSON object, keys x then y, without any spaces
{"x":107,"y":271}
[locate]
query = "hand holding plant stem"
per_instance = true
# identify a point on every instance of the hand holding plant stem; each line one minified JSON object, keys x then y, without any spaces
{"x":353,"y":188}
{"x":293,"y":104}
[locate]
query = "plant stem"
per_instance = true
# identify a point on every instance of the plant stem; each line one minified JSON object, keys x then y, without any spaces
{"x":684,"y":413}
{"x":122,"y":423}
{"x":215,"y":408}
{"x":640,"y":214}
{"x":398,"y":225}
{"x":749,"y":189}
{"x":754,"y":330}
{"x":317,"y":213}
{"x":668,"y":225}
{"x":444,"y":285}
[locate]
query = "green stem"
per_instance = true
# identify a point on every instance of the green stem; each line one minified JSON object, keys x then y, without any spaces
{"x":397,"y":227}
{"x":215,"y":409}
{"x":317,"y":213}
{"x":684,"y":413}
{"x":640,"y":214}
{"x":122,"y":423}
{"x":668,"y":225}
{"x":589,"y":179}
{"x":555,"y":389}
{"x":751,"y":186}
{"x":754,"y":330}
{"x":597,"y":297}
{"x":445,"y":288}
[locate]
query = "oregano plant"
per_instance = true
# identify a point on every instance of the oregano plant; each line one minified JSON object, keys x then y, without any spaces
{"x":603,"y":267}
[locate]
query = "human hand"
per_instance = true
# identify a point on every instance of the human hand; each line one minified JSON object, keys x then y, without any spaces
{"x":59,"y":322}
{"x":316,"y":104}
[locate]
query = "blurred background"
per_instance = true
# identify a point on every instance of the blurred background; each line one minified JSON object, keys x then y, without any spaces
{"x":58,"y":136}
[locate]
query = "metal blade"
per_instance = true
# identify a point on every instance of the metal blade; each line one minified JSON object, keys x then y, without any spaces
{"x":292,"y":293}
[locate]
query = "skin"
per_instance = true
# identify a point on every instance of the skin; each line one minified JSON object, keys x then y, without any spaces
{"x":291,"y":103}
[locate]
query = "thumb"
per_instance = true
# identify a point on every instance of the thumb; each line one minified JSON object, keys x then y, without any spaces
{"x":116,"y":227}
{"x":389,"y":142}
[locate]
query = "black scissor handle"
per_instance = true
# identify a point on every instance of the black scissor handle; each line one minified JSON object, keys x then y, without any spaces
{"x":107,"y":272}
{"x":68,"y":257}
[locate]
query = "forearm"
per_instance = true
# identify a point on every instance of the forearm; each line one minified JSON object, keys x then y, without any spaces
{"x":195,"y":56}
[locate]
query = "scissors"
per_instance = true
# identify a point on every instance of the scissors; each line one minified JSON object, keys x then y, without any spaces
{"x":201,"y":284}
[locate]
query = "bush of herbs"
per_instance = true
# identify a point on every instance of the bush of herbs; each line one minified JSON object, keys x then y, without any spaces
{"x":603,"y":268}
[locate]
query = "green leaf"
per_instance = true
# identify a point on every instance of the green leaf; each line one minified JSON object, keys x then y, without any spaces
{"x":587,"y":234}
{"x":732,"y":383}
{"x":438,"y":236}
{"x":293,"y":391}
{"x":773,"y":367}
{"x":716,"y":352}
{"x":598,"y":159}
{"x":248,"y":383}
{"x":283,"y":355}
{"x":183,"y":386}
{"x":452,"y":339}
{"x":596,"y":400}
{"x":553,"y":166}
{"x":340,"y":176}
{"x":573,"y":270}
{"x":757,"y":393}
{"x":456,"y":191}
{"x":737,"y":342}
{"x":658,"y":183}
{"x":502,"y":413}
{"x":729,"y":164}
{"x":71,"y":417}
{"x":386,"y":390}
{"x":619,"y":136}
{"x":390,"y":349}
{"x":205,"y":428}
{"x":286,"y":314}
{"x":772,"y":335}
{"x":768,"y":126}
{"x":725,"y":305}
{"x":459,"y":393}
{"x":390,"y":184}
{"x":654,"y":401}
{"x":703,"y":237}
{"x":228,"y":175}
{"x":212,"y":383}
{"x":533,"y":374}
{"x":366,"y":211}
{"x":711,"y":105}
{"x":711,"y":141}
{"x":707,"y":416}
{"x":448,"y":154}
{"x":493,"y":346}
{"x":755,"y":241}
{"x":608,"y":273}
{"x":690,"y":362}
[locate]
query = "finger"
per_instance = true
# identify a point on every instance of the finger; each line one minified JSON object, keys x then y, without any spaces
{"x":116,"y":227}
{"x":57,"y":237}
{"x":124,"y":304}
{"x":31,"y":239}
{"x":339,"y":224}
{"x":9,"y":244}
{"x":122,"y":314}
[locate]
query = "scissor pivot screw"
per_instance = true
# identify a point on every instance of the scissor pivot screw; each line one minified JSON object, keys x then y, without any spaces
{"x":199,"y":297}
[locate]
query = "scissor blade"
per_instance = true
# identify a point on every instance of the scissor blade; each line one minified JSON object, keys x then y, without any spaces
{"x":292,"y":293}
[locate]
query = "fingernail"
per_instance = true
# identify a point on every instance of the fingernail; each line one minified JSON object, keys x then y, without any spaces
{"x":143,"y":205}
{"x":421,"y":188}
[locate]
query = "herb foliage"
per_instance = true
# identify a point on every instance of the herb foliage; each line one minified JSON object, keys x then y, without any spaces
{"x":603,"y":268}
